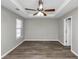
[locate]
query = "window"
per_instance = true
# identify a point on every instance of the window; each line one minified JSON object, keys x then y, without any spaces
{"x":19,"y":26}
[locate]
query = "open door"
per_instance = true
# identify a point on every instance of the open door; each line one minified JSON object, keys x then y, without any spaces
{"x":67,"y":31}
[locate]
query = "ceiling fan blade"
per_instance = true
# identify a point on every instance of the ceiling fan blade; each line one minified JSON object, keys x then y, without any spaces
{"x":35,"y":13}
{"x":44,"y":14}
{"x":49,"y":10}
{"x":30,"y":9}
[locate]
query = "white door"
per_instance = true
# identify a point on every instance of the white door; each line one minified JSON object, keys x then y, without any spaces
{"x":67,"y":32}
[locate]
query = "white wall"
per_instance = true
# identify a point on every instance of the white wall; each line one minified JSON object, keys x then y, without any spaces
{"x":61,"y":30}
{"x":8,"y":31}
{"x":41,"y":29}
{"x":74,"y":14}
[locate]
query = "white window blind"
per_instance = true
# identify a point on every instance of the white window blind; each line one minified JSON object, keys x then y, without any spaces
{"x":19,"y":25}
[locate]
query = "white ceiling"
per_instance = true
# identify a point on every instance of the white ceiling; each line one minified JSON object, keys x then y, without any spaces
{"x":61,"y":6}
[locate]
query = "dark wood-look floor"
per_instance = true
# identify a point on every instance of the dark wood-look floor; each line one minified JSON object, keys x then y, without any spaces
{"x":41,"y":50}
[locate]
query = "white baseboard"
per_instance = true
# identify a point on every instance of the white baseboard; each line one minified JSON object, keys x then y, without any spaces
{"x":71,"y":49}
{"x":40,"y":39}
{"x":61,"y":42}
{"x":74,"y":52}
{"x":11,"y":49}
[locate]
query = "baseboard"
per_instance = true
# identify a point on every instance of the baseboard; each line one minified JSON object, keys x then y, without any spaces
{"x":11,"y":49}
{"x":40,"y":39}
{"x":71,"y":49}
{"x":74,"y":52}
{"x":61,"y":42}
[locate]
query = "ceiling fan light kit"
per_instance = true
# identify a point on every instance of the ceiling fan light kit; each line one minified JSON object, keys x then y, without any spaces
{"x":40,"y":14}
{"x":40,"y":10}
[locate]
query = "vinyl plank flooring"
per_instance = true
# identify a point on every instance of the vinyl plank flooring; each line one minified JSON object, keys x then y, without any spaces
{"x":41,"y":50}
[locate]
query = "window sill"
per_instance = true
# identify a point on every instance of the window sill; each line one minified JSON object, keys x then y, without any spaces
{"x":19,"y":38}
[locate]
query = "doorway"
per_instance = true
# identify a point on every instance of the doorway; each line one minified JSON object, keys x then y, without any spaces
{"x":68,"y":31}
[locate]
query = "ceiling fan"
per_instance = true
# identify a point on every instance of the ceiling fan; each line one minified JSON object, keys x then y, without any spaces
{"x":40,"y":10}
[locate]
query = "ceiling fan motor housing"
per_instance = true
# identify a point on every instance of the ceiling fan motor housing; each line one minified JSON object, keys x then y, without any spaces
{"x":40,"y":9}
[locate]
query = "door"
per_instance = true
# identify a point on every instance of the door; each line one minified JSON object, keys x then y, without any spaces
{"x":68,"y":32}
